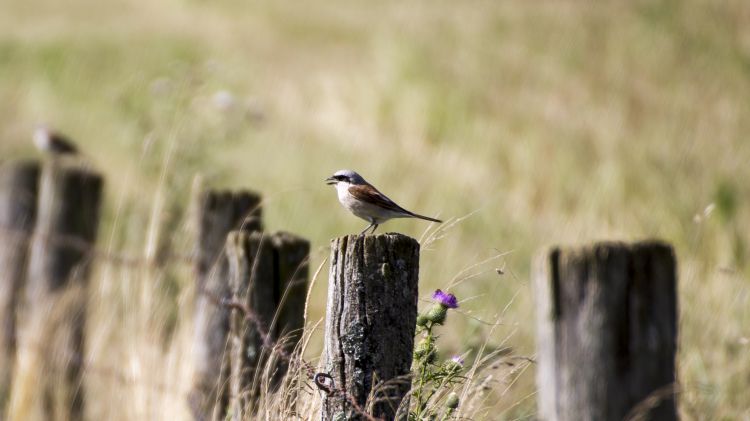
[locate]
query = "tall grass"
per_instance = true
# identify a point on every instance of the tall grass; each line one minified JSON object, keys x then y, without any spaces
{"x":548,"y":122}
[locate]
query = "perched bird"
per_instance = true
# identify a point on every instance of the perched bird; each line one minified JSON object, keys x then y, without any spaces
{"x":52,"y":142}
{"x":365,"y":201}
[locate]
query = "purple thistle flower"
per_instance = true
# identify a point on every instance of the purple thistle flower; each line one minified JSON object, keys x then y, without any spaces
{"x":445,"y":299}
{"x":458,"y":360}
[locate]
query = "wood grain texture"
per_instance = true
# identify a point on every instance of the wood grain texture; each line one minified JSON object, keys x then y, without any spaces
{"x":607,"y":332}
{"x":18,"y":199}
{"x":370,"y":321}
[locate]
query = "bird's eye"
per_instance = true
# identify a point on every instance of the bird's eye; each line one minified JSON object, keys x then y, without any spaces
{"x":340,"y":177}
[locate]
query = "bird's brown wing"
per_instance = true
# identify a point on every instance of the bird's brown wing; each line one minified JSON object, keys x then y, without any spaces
{"x":370,"y":194}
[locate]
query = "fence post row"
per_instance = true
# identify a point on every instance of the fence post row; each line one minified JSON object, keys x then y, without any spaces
{"x":52,"y":321}
{"x":607,"y":332}
{"x":18,"y":199}
{"x":370,"y":321}
{"x":217,"y":213}
{"x":606,"y":313}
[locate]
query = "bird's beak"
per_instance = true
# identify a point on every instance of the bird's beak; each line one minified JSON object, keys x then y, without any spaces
{"x":330,"y":181}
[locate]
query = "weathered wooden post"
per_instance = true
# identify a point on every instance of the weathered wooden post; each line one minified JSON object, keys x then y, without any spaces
{"x":291,"y":254}
{"x":54,"y":310}
{"x":18,"y":198}
{"x":607,"y":332}
{"x":370,"y":321}
{"x":251,"y":268}
{"x":268,"y":278}
{"x":217,"y":213}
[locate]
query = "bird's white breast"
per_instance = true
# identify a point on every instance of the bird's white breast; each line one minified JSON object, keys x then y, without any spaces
{"x":346,"y":199}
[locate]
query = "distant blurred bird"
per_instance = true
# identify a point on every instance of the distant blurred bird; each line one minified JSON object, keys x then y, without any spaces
{"x":365,"y":201}
{"x":54,"y":143}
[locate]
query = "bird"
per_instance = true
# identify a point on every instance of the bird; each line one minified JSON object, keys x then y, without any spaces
{"x":365,"y":201}
{"x":54,"y":143}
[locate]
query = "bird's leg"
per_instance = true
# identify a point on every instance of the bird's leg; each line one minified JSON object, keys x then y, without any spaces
{"x":372,"y":223}
{"x":374,"y":227}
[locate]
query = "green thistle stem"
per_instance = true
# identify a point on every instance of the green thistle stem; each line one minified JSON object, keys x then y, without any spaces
{"x":422,"y":374}
{"x":447,"y":414}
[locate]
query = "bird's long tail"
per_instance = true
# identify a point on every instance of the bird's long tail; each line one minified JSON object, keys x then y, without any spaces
{"x":426,"y":218}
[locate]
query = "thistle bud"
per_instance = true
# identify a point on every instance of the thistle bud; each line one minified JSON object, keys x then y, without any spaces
{"x":436,"y":314}
{"x":451,"y":401}
{"x":455,"y":364}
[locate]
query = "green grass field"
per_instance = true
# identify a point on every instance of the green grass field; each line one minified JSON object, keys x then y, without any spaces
{"x":546,"y":122}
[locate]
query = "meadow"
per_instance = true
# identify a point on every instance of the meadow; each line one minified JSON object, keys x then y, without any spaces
{"x":534,"y":123}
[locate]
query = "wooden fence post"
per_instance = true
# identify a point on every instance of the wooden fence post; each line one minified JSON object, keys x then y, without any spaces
{"x":217,"y":213}
{"x":268,"y":278}
{"x":291,"y":254}
{"x":607,"y":332}
{"x":18,"y":197}
{"x":251,"y":268}
{"x":53,"y":317}
{"x":370,"y":321}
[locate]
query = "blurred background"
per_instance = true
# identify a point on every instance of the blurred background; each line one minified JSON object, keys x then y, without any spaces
{"x":534,"y":123}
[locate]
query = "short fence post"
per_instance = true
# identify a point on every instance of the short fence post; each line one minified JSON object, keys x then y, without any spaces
{"x":217,"y":213}
{"x":18,"y":199}
{"x":291,"y":254}
{"x":268,"y":278}
{"x":370,"y":322}
{"x":251,"y":269}
{"x":53,"y":317}
{"x":607,"y":332}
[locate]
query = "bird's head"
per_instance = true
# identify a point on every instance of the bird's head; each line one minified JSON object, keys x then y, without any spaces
{"x":345,"y":176}
{"x":42,"y":136}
